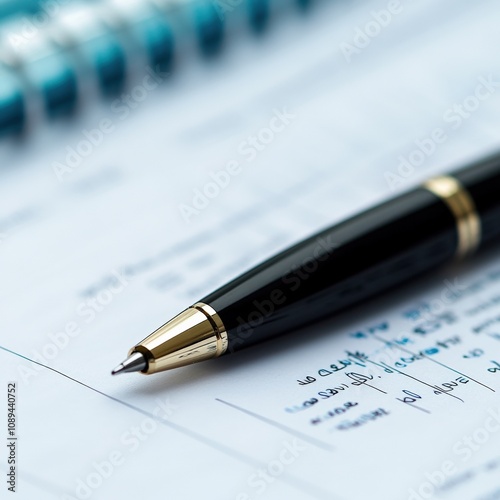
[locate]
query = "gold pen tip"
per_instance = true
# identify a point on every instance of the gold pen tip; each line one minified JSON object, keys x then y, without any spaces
{"x":136,"y":362}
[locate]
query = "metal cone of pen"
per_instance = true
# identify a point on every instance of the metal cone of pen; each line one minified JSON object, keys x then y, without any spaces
{"x":196,"y":334}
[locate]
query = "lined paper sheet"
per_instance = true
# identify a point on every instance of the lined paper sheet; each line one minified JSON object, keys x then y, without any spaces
{"x":396,"y":400}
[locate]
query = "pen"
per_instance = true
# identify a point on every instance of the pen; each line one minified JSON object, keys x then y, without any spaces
{"x":447,"y":217}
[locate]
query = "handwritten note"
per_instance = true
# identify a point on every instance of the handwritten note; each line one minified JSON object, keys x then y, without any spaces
{"x":417,"y":383}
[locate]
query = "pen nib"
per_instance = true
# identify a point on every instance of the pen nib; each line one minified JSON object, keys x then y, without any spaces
{"x":136,"y":362}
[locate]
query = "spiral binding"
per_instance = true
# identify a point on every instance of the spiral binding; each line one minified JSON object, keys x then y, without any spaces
{"x":45,"y":68}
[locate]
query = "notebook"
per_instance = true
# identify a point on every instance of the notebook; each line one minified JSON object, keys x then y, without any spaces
{"x":54,"y":60}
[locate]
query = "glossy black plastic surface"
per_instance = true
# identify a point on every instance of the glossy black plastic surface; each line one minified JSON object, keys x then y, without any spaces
{"x":482,"y":180}
{"x":337,"y":268}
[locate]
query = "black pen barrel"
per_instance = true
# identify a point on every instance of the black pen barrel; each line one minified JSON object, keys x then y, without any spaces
{"x":449,"y":217}
{"x":379,"y":249}
{"x":482,"y":181}
{"x":337,"y":268}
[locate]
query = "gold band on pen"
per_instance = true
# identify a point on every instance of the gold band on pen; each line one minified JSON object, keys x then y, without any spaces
{"x":219,"y":330}
{"x":463,"y":208}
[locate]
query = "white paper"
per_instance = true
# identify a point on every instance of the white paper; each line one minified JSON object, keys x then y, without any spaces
{"x":94,"y":259}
